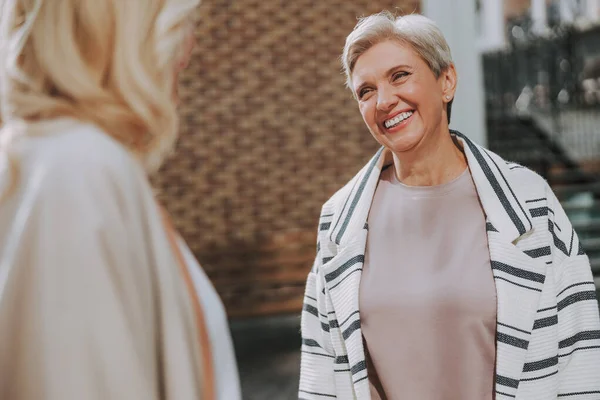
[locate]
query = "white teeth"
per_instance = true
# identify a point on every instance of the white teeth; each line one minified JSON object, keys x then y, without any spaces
{"x":390,"y":123}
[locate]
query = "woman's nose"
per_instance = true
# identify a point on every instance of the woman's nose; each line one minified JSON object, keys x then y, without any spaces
{"x":386,"y":100}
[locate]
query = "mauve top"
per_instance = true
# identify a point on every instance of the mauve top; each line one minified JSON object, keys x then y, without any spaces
{"x":427,"y":294}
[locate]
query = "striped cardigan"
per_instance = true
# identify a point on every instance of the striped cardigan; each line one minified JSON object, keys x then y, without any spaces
{"x":548,"y":325}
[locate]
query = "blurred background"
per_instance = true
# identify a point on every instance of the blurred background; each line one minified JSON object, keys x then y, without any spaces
{"x":269,"y":132}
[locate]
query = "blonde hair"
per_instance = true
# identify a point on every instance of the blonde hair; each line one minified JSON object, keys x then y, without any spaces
{"x":108,"y":62}
{"x":417,"y":31}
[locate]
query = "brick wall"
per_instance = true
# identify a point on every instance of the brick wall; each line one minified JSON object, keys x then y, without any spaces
{"x":268,"y":134}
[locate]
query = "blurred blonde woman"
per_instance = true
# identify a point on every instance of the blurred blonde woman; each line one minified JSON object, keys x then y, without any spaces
{"x":99,"y":297}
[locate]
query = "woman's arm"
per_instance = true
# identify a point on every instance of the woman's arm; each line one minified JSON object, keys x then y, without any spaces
{"x":577,"y":306}
{"x":317,"y":362}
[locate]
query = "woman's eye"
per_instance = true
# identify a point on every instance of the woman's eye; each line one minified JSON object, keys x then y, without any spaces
{"x":399,"y":75}
{"x":363,"y":92}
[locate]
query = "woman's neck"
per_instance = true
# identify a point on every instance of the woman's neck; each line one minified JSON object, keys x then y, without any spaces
{"x":433,"y":164}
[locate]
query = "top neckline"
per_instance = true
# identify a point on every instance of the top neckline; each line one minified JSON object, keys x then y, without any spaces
{"x":461,"y":181}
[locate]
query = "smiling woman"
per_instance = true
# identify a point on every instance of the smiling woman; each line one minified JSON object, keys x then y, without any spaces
{"x":433,"y":279}
{"x":405,"y":105}
{"x":404,"y":82}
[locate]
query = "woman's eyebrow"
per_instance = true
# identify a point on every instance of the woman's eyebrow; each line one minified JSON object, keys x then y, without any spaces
{"x":388,"y":72}
{"x":400,"y":66}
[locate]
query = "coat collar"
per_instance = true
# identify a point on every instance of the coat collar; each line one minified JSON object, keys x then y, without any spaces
{"x":507,"y":221}
{"x":501,"y":204}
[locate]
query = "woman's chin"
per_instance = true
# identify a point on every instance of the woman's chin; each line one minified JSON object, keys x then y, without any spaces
{"x":400,"y":142}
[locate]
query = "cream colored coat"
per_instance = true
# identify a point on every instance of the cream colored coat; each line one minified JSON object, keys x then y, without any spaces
{"x":92,"y":305}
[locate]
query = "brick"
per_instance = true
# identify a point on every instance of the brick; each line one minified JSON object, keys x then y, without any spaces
{"x":268,"y":133}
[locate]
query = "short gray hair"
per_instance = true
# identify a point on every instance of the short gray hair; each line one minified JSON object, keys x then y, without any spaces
{"x":418,"y":31}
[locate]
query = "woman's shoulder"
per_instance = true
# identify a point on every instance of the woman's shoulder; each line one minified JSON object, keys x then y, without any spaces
{"x":521,"y":179}
{"x":335,"y":204}
{"x":70,"y":153}
{"x":70,"y":146}
{"x":70,"y":162}
{"x":525,"y":177}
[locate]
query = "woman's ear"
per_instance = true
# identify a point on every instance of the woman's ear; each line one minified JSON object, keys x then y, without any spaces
{"x":448,"y":80}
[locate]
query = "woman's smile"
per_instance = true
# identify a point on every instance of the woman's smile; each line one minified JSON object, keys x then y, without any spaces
{"x":398,"y":122}
{"x":400,"y":98}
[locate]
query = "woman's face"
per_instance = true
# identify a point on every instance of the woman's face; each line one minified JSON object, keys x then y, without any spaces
{"x":399,"y":97}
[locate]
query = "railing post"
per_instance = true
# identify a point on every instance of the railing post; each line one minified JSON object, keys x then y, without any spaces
{"x":493,"y":29}
{"x":539,"y":16}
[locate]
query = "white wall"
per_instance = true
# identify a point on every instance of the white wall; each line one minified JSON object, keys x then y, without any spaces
{"x":492,"y":34}
{"x":567,"y":10}
{"x":539,"y":16}
{"x":593,"y":10}
{"x":456,"y":19}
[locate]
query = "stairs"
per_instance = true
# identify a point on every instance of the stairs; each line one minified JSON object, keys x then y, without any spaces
{"x":522,"y":141}
{"x":582,"y":204}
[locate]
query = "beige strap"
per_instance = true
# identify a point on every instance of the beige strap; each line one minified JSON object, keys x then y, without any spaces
{"x":208,"y":379}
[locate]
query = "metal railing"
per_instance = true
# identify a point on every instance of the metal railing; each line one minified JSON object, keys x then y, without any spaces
{"x":554,"y":80}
